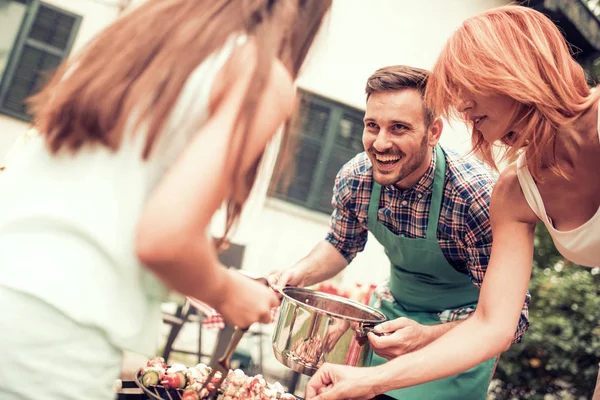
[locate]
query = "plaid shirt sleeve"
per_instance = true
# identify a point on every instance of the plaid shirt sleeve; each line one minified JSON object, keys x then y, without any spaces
{"x":347,"y":234}
{"x":478,"y":239}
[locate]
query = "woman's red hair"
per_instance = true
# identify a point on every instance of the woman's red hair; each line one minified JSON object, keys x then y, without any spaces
{"x":518,"y":52}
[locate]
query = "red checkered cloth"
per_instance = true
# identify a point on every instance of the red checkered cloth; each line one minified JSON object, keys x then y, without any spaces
{"x":213,"y":319}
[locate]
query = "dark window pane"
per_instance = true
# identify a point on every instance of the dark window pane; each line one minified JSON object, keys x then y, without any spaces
{"x":335,"y":162}
{"x":324,"y":143}
{"x":29,"y":77}
{"x":306,"y":161}
{"x":350,"y":130}
{"x":52,"y":27}
{"x":314,"y":118}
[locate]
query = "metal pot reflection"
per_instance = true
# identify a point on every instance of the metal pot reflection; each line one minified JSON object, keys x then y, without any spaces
{"x":315,"y":327}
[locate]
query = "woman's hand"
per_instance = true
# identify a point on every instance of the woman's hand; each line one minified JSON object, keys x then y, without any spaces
{"x":333,"y":382}
{"x":245,"y":301}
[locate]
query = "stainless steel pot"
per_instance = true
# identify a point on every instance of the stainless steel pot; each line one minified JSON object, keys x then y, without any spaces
{"x":316,"y":327}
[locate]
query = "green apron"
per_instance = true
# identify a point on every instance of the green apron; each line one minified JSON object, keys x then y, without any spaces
{"x":424,"y":284}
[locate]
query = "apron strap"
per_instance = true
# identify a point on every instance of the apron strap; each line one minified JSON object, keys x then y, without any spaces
{"x":437,"y":193}
{"x":374,"y":203}
{"x":436,"y":196}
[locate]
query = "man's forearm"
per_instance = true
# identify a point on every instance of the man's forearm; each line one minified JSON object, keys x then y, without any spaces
{"x":322,"y":263}
{"x":435,"y":331}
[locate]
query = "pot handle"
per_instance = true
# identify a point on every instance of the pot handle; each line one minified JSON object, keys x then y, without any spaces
{"x":369,"y":328}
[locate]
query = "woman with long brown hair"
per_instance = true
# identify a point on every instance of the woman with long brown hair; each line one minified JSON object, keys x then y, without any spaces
{"x":144,"y":134}
{"x":509,"y":74}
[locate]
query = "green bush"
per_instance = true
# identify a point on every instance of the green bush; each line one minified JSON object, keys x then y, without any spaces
{"x":560,"y":352}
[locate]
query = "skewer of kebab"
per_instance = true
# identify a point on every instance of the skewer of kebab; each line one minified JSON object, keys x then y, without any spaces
{"x":175,"y":377}
{"x":236,"y":385}
{"x":154,"y":371}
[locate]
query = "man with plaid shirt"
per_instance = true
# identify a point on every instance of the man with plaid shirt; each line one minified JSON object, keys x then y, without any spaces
{"x":429,"y":208}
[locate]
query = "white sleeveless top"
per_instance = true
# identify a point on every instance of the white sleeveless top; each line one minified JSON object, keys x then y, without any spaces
{"x":67,"y":223}
{"x":580,"y":245}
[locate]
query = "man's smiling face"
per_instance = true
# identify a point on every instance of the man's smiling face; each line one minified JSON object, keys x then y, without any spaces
{"x":395,"y":137}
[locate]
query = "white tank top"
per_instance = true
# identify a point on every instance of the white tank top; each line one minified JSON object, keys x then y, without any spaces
{"x":67,"y":223}
{"x":580,"y":245}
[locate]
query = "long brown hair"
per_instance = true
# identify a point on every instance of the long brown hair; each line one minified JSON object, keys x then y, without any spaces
{"x":142,"y":61}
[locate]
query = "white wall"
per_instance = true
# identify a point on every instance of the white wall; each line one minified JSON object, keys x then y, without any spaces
{"x":285,"y":233}
{"x":10,"y":128}
{"x":364,"y":35}
{"x":11,"y":16}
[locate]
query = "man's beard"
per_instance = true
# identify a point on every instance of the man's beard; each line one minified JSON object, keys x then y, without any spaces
{"x":409,"y":166}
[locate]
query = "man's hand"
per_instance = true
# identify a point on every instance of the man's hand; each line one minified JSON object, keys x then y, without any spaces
{"x":400,"y":336}
{"x":322,"y":263}
{"x":287,"y":277}
{"x":332,"y":382}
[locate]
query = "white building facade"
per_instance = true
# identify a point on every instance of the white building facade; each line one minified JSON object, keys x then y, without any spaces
{"x":359,"y":37}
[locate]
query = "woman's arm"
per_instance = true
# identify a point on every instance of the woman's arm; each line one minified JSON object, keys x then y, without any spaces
{"x":172,"y":238}
{"x":491,"y":328}
{"x":487,"y":333}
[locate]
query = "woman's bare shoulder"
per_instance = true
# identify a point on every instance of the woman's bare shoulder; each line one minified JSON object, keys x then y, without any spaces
{"x":508,"y":200}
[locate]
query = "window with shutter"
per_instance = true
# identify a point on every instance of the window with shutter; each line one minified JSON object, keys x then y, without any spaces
{"x":330,"y":135}
{"x":43,"y":41}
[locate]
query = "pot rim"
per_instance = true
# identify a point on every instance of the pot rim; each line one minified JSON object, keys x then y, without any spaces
{"x":340,"y":299}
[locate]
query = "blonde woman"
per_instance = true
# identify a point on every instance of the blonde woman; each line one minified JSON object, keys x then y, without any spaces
{"x":509,"y":74}
{"x":145,"y":133}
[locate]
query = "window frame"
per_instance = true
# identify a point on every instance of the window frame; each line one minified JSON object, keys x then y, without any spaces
{"x":327,"y":144}
{"x":23,"y":39}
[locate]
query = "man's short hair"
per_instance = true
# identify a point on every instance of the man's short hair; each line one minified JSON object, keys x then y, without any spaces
{"x":401,"y":77}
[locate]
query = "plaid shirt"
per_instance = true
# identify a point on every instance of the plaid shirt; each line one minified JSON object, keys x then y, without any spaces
{"x":464,"y":231}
